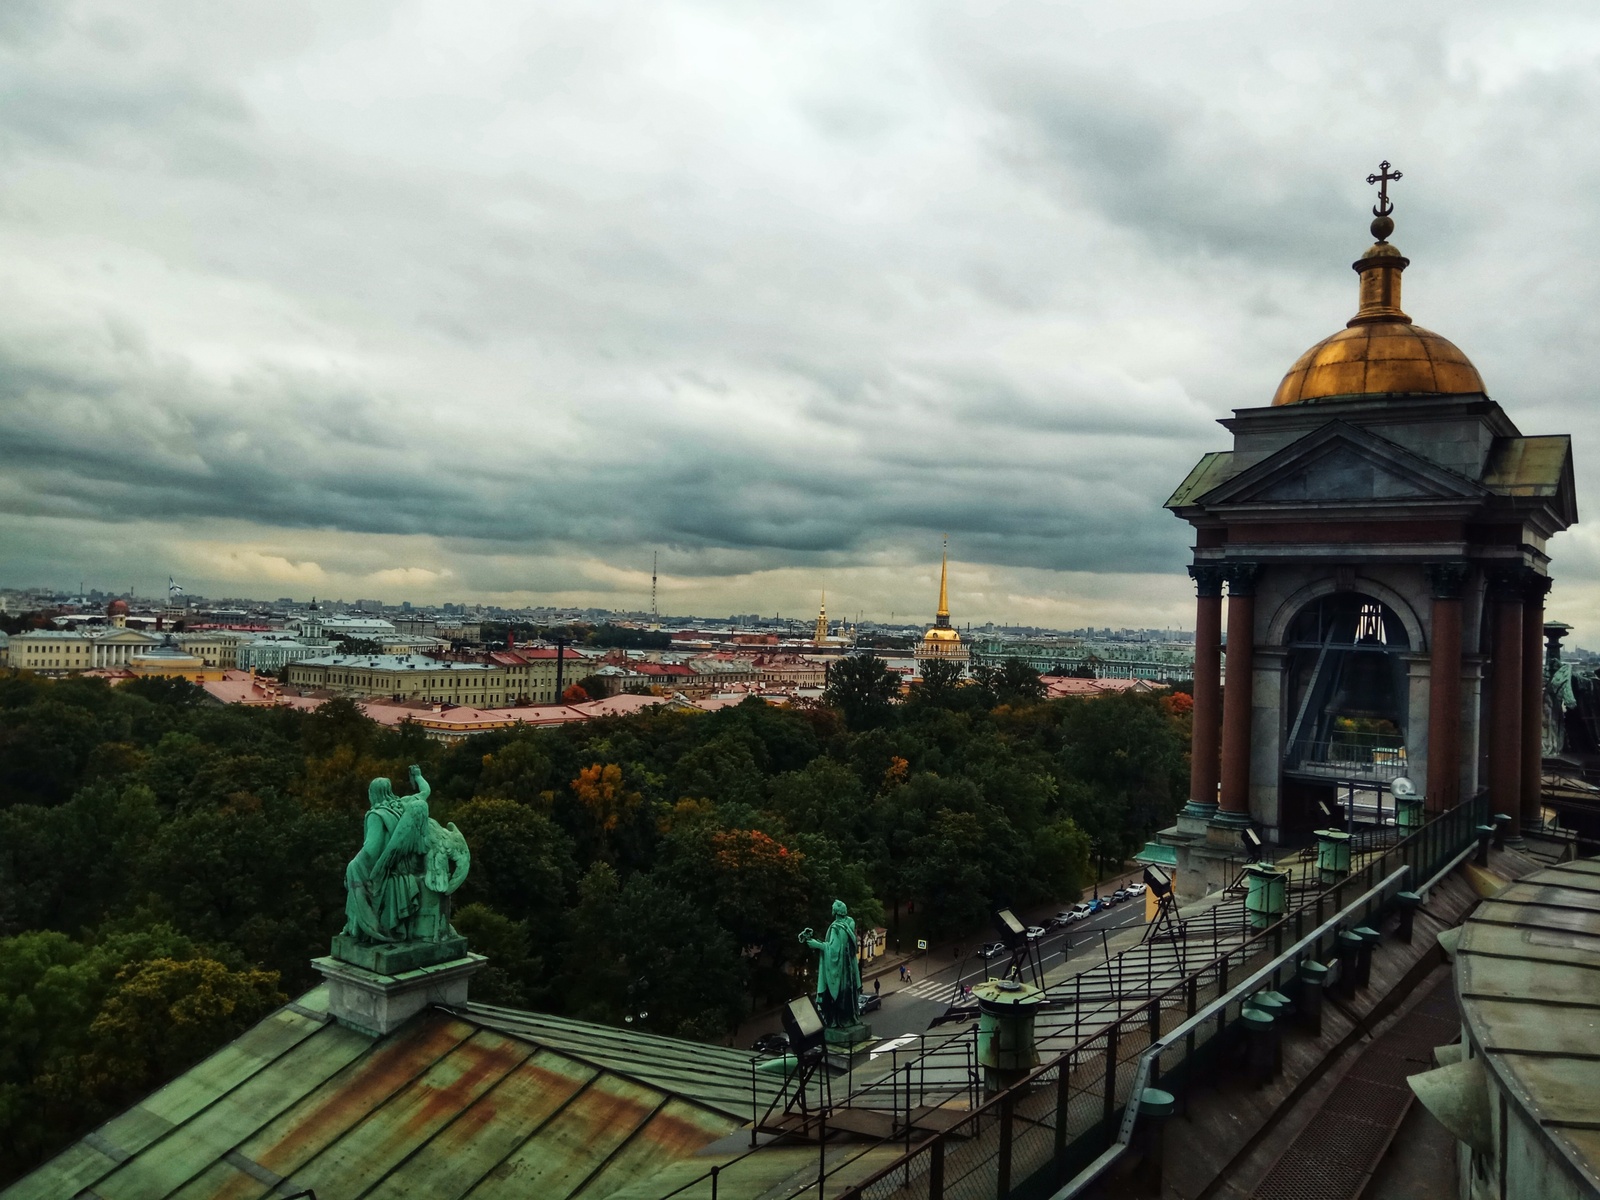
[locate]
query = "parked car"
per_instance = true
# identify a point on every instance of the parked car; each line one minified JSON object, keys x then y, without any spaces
{"x":870,"y":1002}
{"x":1098,"y":904}
{"x":1133,"y":891}
{"x":771,"y":1044}
{"x":990,"y":949}
{"x":1082,"y":911}
{"x":1035,"y":932}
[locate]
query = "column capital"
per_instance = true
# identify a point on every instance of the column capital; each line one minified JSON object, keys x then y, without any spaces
{"x":1536,"y":587}
{"x":1242,"y":577}
{"x":1447,"y":579}
{"x":1208,"y":578}
{"x":1507,"y":584}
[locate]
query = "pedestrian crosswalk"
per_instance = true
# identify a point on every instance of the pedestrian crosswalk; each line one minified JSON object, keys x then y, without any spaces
{"x":930,"y":989}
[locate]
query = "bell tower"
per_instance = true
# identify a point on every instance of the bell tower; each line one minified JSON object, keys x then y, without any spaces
{"x":1380,"y":533}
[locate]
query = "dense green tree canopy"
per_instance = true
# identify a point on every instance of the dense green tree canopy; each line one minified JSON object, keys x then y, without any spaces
{"x":168,"y":866}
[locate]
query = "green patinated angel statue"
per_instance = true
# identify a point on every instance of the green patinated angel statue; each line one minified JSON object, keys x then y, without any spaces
{"x":838,"y":970}
{"x":398,"y":887}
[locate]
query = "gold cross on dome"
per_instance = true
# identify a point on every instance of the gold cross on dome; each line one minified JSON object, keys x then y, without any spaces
{"x":1383,"y":178}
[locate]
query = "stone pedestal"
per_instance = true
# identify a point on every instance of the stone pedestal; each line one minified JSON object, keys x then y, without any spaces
{"x":1194,"y":818}
{"x":376,"y":1003}
{"x":845,"y":1043}
{"x":395,"y":958}
{"x":1204,"y":867}
{"x":848,"y":1035}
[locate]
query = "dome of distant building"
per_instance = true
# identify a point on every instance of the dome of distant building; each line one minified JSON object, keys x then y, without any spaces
{"x":116,"y":608}
{"x":1379,"y":352}
{"x":941,"y":634}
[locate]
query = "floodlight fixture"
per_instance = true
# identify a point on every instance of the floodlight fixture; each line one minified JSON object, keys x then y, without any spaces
{"x":1158,"y":881}
{"x":1252,"y":840}
{"x":803,"y":1023}
{"x":1402,"y":788}
{"x":1012,"y":931}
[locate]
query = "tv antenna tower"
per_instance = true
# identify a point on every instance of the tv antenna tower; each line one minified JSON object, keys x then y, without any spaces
{"x":655,"y":614}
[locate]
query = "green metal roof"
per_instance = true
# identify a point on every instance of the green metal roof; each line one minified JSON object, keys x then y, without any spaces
{"x":1157,"y":854}
{"x":714,"y":1076}
{"x":1528,"y":977}
{"x":1211,"y":470}
{"x":1527,"y":466}
{"x":481,"y":1103}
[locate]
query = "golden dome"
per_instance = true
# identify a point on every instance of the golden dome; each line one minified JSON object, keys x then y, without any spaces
{"x":1377,"y":359}
{"x":1380,"y":352}
{"x":941,"y":633}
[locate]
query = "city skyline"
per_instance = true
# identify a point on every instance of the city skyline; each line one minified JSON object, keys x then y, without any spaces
{"x":490,"y":303}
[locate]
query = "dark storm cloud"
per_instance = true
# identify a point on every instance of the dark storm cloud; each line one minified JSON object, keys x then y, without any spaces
{"x":773,"y":290}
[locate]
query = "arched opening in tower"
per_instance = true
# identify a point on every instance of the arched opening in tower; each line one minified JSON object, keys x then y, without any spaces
{"x":1346,"y":704}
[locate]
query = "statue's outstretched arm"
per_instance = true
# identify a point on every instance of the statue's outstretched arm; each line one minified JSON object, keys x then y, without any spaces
{"x":419,"y":782}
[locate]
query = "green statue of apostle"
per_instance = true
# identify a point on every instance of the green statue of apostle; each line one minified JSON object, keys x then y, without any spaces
{"x":838,"y":970}
{"x":398,"y":886}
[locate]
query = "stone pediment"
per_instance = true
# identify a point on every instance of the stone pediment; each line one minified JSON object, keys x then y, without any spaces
{"x":1343,"y":464}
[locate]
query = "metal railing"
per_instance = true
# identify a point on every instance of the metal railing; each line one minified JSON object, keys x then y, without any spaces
{"x":1379,"y":757}
{"x":1068,"y":1111}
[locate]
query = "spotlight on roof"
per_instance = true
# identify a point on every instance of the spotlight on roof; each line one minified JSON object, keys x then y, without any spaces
{"x":803,"y":1023}
{"x":1252,"y":842}
{"x":1012,"y":931}
{"x":1158,"y":881}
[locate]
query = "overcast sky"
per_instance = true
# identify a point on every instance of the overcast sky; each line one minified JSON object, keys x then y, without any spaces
{"x":488,"y":301}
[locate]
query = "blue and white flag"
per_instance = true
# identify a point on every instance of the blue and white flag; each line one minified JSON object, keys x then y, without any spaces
{"x":173,"y":587}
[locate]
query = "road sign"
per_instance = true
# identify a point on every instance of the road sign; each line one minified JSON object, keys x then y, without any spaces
{"x":922,"y":943}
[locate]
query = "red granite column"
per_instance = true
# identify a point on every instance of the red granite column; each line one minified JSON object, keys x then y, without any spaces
{"x":1538,"y":586}
{"x":1239,"y":697}
{"x":1206,"y":739}
{"x":1444,"y":687}
{"x":1505,"y":698}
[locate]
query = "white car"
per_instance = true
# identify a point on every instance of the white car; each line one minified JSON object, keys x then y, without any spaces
{"x":1081,"y":912}
{"x":1035,"y":932}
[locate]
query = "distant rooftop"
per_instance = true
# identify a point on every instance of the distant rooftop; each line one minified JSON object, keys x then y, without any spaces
{"x":391,"y":662}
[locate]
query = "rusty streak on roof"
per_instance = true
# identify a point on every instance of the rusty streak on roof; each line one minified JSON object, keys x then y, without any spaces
{"x":482,"y":1103}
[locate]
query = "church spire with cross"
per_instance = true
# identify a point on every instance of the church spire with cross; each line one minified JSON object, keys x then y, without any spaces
{"x":821,"y":634}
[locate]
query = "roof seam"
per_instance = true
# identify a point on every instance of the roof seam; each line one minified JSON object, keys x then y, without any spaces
{"x":215,"y":1100}
{"x":355,"y":1064}
{"x":528,"y":1049}
{"x":1471,"y":952}
{"x":617,"y":1149}
{"x":585,"y":1086}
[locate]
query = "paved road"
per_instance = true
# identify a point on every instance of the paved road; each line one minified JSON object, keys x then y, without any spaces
{"x":909,"y":1007}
